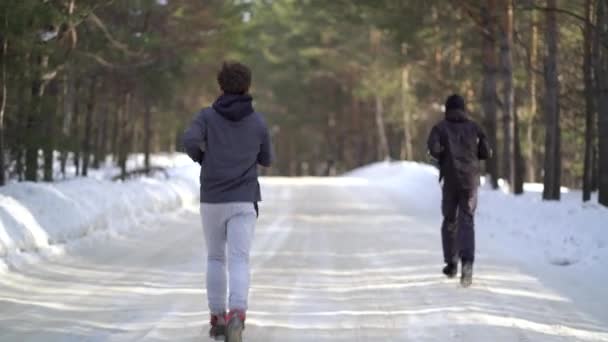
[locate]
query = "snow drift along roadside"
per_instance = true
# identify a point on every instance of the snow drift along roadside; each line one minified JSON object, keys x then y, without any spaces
{"x":565,"y":243}
{"x":415,"y":184}
{"x":38,"y":216}
{"x":563,"y":233}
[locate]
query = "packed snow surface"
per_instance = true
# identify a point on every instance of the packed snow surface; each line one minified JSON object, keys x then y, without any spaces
{"x":566,"y":241}
{"x":353,"y":258}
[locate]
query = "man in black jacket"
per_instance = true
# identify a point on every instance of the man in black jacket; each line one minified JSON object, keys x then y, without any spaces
{"x":458,"y":144}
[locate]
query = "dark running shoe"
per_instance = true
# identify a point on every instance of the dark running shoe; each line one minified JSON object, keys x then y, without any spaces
{"x":218,"y":327}
{"x":450,"y":270}
{"x":466,"y":278}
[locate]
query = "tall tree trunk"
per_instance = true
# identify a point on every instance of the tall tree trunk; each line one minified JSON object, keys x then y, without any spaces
{"x":116,"y":122}
{"x":506,"y":43}
{"x":595,"y":173}
{"x":438,"y":49}
{"x":33,"y":120}
{"x":519,"y":169}
{"x":101,"y":143}
{"x":532,"y":86}
{"x":488,"y":92}
{"x":75,"y":126}
{"x":552,"y":176}
{"x":383,"y":149}
{"x":601,"y":69}
{"x":4,"y":100}
{"x":125,"y":136}
{"x":147,"y":134}
{"x":22,"y":112}
{"x":88,"y":127}
{"x":31,"y":150}
{"x":331,"y":133}
{"x":407,"y":153}
{"x":589,"y":101}
{"x":49,"y":127}
{"x":68,"y":106}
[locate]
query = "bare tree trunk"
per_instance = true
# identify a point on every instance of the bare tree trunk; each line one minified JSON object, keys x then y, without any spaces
{"x":506,"y":43}
{"x":595,"y":173}
{"x":293,"y":163}
{"x":88,"y":126}
{"x":383,"y":149}
{"x":532,"y":86}
{"x":552,"y":176}
{"x":4,"y":94}
{"x":75,"y":127}
{"x":33,"y":120}
{"x":589,"y":101}
{"x":22,"y":112}
{"x":330,"y":133}
{"x":49,"y":127}
{"x":601,"y":69}
{"x":147,"y":134}
{"x":438,"y":49}
{"x":116,"y":122}
{"x":125,"y":136}
{"x":101,"y":142}
{"x":407,"y":153}
{"x":488,"y":95}
{"x":519,"y":169}
{"x":68,"y":106}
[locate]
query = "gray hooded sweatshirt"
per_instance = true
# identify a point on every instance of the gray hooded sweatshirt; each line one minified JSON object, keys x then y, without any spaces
{"x":229,"y":140}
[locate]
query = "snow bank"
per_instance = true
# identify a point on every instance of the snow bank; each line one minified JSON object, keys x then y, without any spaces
{"x":561,"y":233}
{"x":108,"y":168}
{"x":417,"y":181}
{"x":41,"y":217}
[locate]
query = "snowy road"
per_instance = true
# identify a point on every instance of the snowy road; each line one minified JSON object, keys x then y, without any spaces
{"x":333,"y":260}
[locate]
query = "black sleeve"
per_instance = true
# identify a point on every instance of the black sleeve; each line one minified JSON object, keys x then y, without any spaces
{"x":434,"y":144}
{"x":484,"y":148}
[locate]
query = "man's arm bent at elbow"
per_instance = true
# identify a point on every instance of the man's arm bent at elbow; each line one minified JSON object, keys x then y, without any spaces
{"x":194,"y":139}
{"x":265,"y":156}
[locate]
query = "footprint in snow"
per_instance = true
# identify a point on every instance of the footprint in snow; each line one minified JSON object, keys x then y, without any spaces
{"x":562,"y":261}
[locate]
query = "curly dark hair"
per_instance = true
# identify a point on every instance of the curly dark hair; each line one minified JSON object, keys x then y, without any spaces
{"x":234,"y":78}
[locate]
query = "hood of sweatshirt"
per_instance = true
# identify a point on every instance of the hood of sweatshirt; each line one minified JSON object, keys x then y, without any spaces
{"x":234,"y":107}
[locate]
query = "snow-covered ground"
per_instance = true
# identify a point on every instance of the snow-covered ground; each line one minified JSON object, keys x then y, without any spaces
{"x":563,"y":233}
{"x":109,"y":170}
{"x":40,"y":218}
{"x":566,"y":241}
{"x":354,"y":258}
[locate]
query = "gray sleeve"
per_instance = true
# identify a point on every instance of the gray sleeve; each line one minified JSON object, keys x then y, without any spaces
{"x":265,"y":156}
{"x":194,"y":138}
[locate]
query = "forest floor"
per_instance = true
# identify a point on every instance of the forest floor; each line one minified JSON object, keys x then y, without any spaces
{"x":353,"y":258}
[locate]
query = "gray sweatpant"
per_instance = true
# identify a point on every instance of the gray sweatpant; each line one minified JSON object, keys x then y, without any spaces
{"x":228,"y":225}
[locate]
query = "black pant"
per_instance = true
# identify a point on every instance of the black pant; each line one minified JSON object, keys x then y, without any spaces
{"x":458,"y":228}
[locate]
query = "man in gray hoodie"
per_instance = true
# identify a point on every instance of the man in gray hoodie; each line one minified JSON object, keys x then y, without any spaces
{"x":229,"y":140}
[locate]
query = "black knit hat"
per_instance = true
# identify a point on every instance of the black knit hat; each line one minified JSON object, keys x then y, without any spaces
{"x":455,"y":102}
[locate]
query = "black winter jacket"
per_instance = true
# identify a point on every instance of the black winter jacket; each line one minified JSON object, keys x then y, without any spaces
{"x":458,"y":144}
